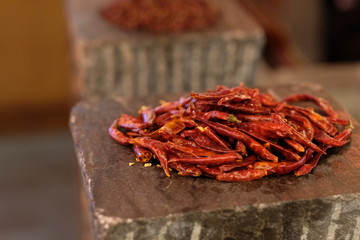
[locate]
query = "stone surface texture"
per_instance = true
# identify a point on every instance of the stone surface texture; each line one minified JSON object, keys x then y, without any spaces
{"x":134,"y":202}
{"x":112,"y":62}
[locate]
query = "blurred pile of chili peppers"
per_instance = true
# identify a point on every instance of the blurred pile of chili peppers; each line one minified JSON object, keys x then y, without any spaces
{"x":161,"y":16}
{"x":233,"y":134}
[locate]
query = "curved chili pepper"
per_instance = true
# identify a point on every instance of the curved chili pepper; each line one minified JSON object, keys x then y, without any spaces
{"x":118,"y":135}
{"x":266,"y":129}
{"x":322,"y":103}
{"x":234,"y":97}
{"x":215,"y":160}
{"x":157,"y":147}
{"x":142,"y":154}
{"x":285,"y":167}
{"x":195,"y":151}
{"x":267,"y":100}
{"x":131,"y":123}
{"x":335,"y":120}
{"x":294,"y":145}
{"x":221,"y":115}
{"x":246,"y":161}
{"x":148,"y":114}
{"x":247,"y":140}
{"x":185,"y":169}
{"x":167,"y":106}
{"x":241,"y":175}
{"x":210,"y":171}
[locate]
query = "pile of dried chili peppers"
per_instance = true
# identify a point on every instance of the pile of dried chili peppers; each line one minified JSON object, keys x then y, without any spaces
{"x":161,"y":16}
{"x":233,"y":134}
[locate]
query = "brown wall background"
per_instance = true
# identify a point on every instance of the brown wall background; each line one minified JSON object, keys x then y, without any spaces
{"x":34,"y":65}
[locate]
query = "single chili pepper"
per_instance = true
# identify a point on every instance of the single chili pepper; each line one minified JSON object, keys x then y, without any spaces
{"x":285,"y":167}
{"x":163,"y":118}
{"x":246,"y":108}
{"x":294,"y":145}
{"x":246,"y":161}
{"x":254,"y":118}
{"x":157,"y":147}
{"x":210,"y":171}
{"x":167,"y":106}
{"x":240,"y":148}
{"x":142,"y":154}
{"x":267,"y":100}
{"x":194,"y":151}
{"x":117,"y":135}
{"x":306,"y":168}
{"x":234,"y":97}
{"x":241,"y":175}
{"x":267,"y":129}
{"x":148,"y":114}
{"x":131,"y":123}
{"x":247,"y":140}
{"x":339,"y":121}
{"x":185,"y":169}
{"x":190,"y":123}
{"x":215,"y":160}
{"x":170,"y":128}
{"x":322,"y":103}
{"x":221,"y":115}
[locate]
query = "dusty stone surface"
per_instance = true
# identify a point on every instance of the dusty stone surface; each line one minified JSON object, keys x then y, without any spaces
{"x":112,"y":62}
{"x":134,"y":202}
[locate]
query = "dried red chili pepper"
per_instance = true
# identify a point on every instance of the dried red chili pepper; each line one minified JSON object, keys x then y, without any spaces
{"x":241,"y":175}
{"x":246,"y":161}
{"x":142,"y":154}
{"x":306,"y":168}
{"x":118,"y":135}
{"x":322,"y":103}
{"x":185,"y":169}
{"x":209,"y":133}
{"x":215,"y":160}
{"x":247,"y":140}
{"x":157,"y":147}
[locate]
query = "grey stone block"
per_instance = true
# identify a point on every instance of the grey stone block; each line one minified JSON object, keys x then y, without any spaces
{"x":134,"y":202}
{"x":112,"y":62}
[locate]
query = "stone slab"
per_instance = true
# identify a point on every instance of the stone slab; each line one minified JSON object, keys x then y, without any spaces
{"x":111,"y":62}
{"x":142,"y":203}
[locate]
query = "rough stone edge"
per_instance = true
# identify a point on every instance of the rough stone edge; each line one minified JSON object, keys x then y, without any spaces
{"x":107,"y":227}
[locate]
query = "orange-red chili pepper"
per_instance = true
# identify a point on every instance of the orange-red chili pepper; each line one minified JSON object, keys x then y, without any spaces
{"x":212,"y":133}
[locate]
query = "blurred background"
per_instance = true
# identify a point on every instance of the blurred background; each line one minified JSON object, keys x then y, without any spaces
{"x":39,"y":178}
